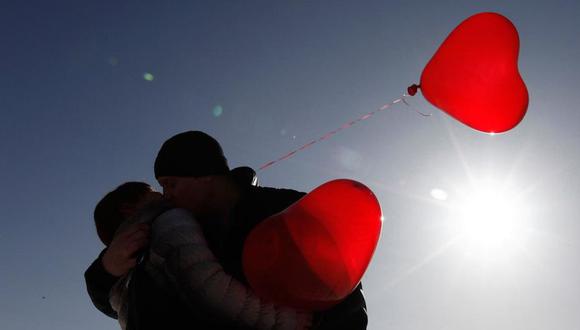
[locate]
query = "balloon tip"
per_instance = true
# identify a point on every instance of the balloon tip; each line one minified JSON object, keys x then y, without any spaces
{"x":412,"y":90}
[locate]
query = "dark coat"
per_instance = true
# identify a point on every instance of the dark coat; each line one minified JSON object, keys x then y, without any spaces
{"x":154,"y":308}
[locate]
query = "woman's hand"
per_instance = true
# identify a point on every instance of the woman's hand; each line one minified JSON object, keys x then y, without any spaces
{"x":121,"y":255}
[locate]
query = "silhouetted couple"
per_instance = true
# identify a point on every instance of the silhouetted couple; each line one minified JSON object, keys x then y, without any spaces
{"x":174,"y":260}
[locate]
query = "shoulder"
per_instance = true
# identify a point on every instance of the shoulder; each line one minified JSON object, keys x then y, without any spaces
{"x":276,"y":194}
{"x":265,"y":201}
{"x":174,"y":213}
{"x":174,"y":218}
{"x":172,"y":230}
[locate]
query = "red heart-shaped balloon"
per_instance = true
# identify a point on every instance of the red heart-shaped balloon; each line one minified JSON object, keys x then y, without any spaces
{"x":474,"y":74}
{"x":313,"y":254}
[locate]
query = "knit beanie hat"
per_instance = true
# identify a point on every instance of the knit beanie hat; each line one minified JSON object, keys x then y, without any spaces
{"x":191,"y":153}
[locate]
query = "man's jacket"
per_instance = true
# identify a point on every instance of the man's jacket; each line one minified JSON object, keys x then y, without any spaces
{"x":155,"y":307}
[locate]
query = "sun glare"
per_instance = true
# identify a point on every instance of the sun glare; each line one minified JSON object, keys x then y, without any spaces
{"x":489,"y":221}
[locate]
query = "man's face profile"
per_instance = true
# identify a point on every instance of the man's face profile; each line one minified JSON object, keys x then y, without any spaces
{"x":186,"y":192}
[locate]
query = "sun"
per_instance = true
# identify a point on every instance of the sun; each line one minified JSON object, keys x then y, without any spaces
{"x":489,"y":220}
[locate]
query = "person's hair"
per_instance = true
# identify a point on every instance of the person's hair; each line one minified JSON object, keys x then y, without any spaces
{"x":108,"y":215}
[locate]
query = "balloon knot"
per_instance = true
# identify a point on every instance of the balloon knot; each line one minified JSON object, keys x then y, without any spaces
{"x":412,"y":90}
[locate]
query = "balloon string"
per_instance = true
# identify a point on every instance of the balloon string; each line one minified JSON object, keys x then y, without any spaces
{"x":346,"y":125}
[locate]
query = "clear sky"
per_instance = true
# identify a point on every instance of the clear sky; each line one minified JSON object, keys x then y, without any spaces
{"x":80,"y":115}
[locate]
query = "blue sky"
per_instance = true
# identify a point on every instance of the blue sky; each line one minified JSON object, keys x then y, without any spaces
{"x":78,"y":118}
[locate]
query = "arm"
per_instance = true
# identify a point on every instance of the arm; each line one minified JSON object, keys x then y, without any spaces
{"x":99,"y":282}
{"x":112,"y":263}
{"x":180,"y":249}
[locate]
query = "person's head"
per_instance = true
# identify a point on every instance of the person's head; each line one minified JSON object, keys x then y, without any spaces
{"x":119,"y":205}
{"x":194,"y":173}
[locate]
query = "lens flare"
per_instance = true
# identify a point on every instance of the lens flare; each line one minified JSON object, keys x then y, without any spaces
{"x":217,"y":110}
{"x":439,"y":194}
